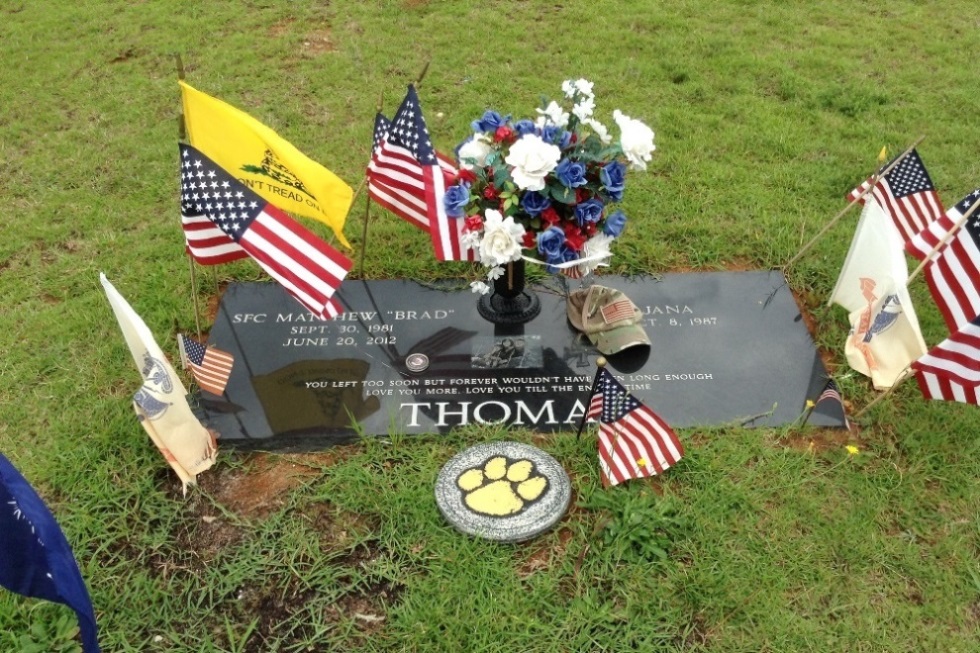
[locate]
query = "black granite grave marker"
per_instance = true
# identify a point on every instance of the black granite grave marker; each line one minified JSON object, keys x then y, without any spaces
{"x":726,"y":347}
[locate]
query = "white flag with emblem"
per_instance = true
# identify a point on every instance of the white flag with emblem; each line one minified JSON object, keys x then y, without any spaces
{"x":885,"y":336}
{"x":161,"y":403}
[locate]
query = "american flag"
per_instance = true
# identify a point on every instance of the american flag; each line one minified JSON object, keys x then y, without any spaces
{"x":408,"y":177}
{"x":633,"y":441}
{"x":830,"y":403}
{"x":922,"y":244}
{"x":906,"y":193}
{"x":308,"y":268}
{"x":205,"y":242}
{"x":620,"y":310}
{"x":393,"y":188}
{"x":953,"y":274}
{"x":950,"y":371}
{"x":210,"y":366}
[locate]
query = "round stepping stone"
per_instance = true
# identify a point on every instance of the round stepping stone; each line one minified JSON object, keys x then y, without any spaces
{"x":504,"y":491}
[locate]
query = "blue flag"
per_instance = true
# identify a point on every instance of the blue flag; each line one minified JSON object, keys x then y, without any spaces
{"x":35,"y":558}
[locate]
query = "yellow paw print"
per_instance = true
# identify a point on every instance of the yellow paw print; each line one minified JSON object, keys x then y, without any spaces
{"x":501,"y":487}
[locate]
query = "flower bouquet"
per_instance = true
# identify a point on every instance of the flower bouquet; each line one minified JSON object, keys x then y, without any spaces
{"x":544,"y":190}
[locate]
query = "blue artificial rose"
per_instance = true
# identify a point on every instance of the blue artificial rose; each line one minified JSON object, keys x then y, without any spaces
{"x":588,"y":211}
{"x":534,"y":202}
{"x":564,"y":255}
{"x":613,"y":178}
{"x":570,"y":173}
{"x":525,"y":126}
{"x":456,"y":199}
{"x":489,"y":122}
{"x":556,"y":136}
{"x":550,"y":243}
{"x":551,"y":134}
{"x":614,"y":224}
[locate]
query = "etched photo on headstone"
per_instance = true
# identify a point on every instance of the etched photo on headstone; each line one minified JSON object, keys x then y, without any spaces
{"x":507,"y":352}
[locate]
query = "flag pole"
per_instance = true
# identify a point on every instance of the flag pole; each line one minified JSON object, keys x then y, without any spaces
{"x":874,"y":180}
{"x":600,"y":363}
{"x":197,"y":310}
{"x":182,"y":136}
{"x":884,"y":394}
{"x":425,"y":69}
{"x":367,"y":200}
{"x":945,"y":239}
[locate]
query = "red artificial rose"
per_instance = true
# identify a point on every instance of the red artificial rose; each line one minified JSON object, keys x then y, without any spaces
{"x":574,"y":238}
{"x":550,"y":216}
{"x":491,"y":192}
{"x":474,"y":222}
{"x":581,"y":195}
{"x":466,"y":176}
{"x":589,"y":229}
{"x":529,"y":240}
{"x":504,"y":134}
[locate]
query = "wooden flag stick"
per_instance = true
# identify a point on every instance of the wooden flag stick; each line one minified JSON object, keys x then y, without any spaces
{"x":182,"y":135}
{"x":364,"y":234}
{"x":945,"y":239}
{"x":874,"y":180}
{"x":425,"y":69}
{"x":884,"y":394}
{"x":197,"y":309}
{"x":367,"y":200}
{"x":600,"y":363}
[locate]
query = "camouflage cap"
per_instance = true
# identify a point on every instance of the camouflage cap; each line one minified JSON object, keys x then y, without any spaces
{"x":608,"y":317}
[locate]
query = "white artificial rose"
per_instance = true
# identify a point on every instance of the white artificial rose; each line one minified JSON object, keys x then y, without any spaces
{"x":502,"y":239}
{"x":532,"y":159}
{"x":596,"y":248}
{"x":568,"y":88}
{"x":470,"y":239}
{"x":554,"y":114}
{"x":600,"y":130}
{"x":480,"y":287}
{"x":583,"y":110}
{"x":584,"y":87}
{"x":473,"y":153}
{"x":636,"y":139}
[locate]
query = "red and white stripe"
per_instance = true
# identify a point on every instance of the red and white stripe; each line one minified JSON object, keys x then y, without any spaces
{"x":637,"y":446}
{"x":446,"y":232}
{"x":950,"y":371}
{"x":911,"y":213}
{"x":397,"y":181}
{"x":923,"y":243}
{"x":310,"y":269}
{"x":953,"y":277}
{"x":621,"y":310}
{"x":208,"y":244}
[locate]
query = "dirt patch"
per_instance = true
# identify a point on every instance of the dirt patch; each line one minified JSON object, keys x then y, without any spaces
{"x":543,"y":553}
{"x":319,"y":42}
{"x":232,"y":497}
{"x":261,"y":486}
{"x":366,"y":609}
{"x":282,"y":27}
{"x":822,"y":440}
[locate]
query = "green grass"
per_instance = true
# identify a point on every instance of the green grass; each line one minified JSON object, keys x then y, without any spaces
{"x":766,"y":115}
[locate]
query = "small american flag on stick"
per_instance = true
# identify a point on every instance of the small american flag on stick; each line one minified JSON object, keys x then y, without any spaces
{"x":906,"y":193}
{"x":210,"y":366}
{"x":634,"y":442}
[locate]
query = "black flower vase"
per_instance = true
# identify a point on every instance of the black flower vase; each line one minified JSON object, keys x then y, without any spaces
{"x":510,"y":302}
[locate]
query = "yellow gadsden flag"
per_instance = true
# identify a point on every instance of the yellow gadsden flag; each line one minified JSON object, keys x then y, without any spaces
{"x":264,"y":161}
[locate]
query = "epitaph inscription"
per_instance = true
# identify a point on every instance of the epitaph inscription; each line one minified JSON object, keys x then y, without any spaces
{"x":727,"y":347}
